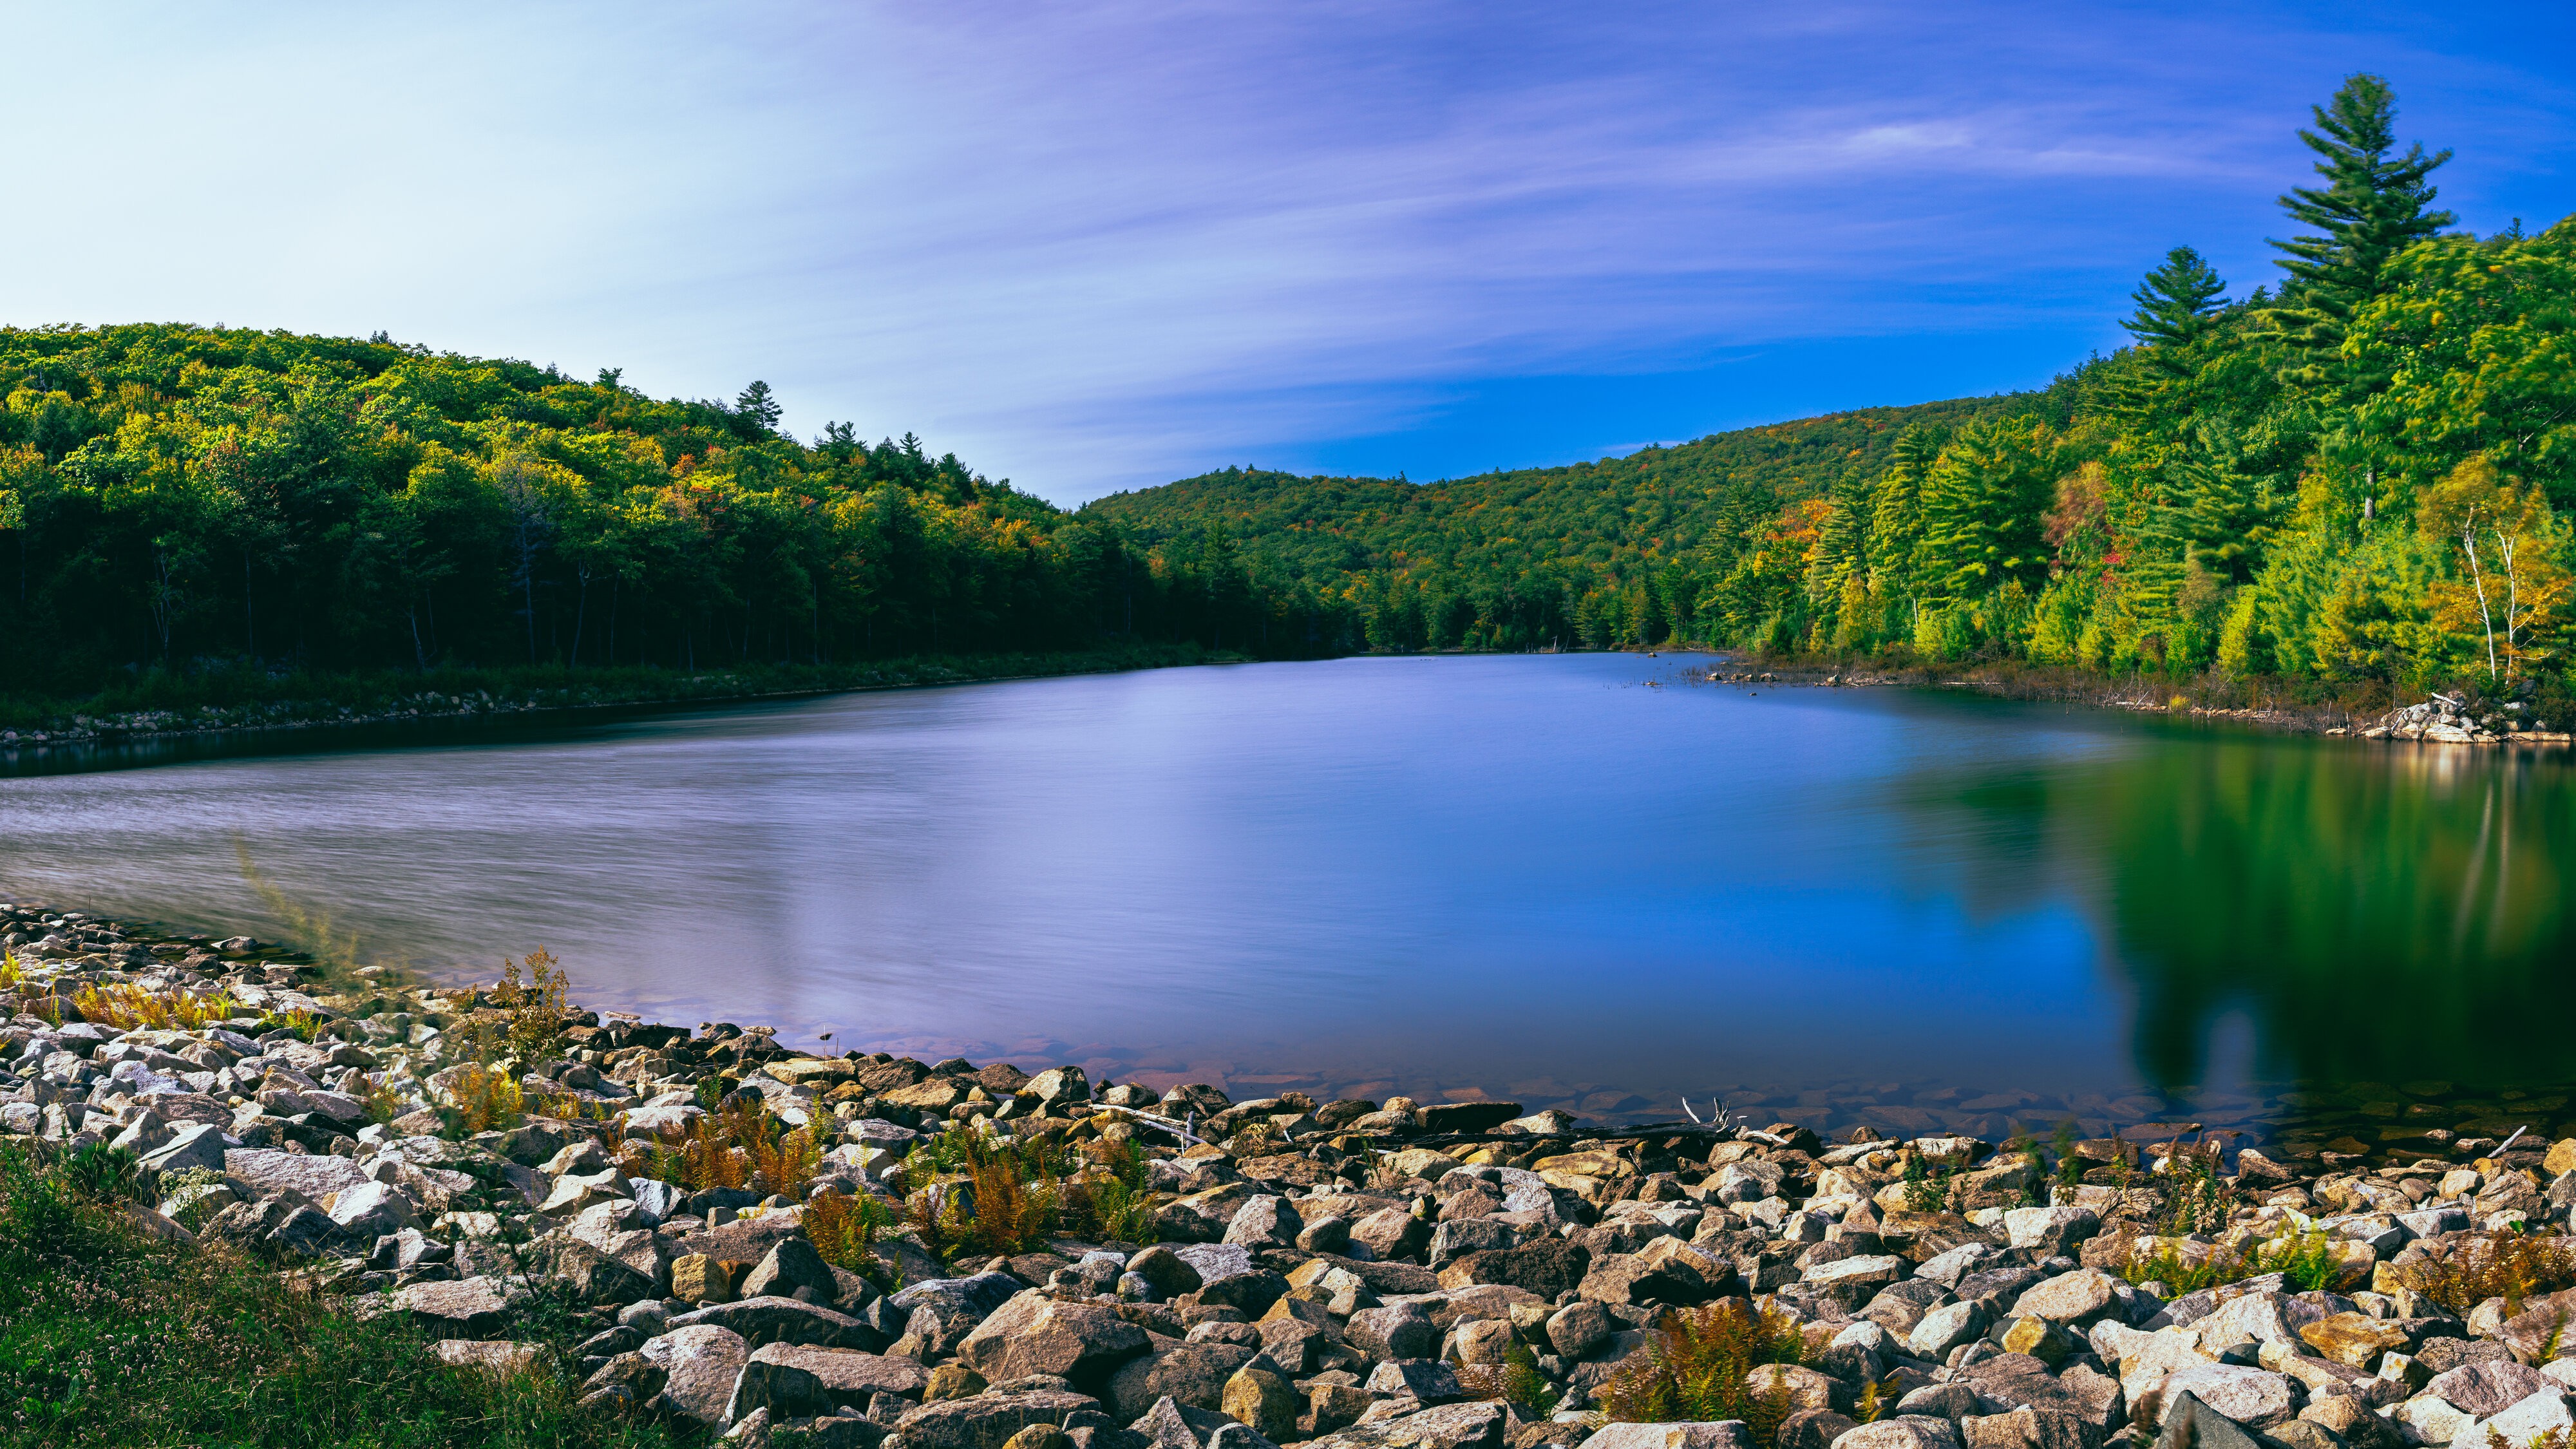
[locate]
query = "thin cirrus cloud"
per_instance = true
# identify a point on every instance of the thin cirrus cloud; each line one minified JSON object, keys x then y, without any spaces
{"x":1092,"y":247}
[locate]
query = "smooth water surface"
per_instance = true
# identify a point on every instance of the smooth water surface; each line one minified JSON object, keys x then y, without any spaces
{"x":1575,"y":879}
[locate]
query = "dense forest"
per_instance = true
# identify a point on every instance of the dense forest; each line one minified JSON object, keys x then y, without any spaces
{"x":178,"y":500}
{"x":2361,"y":471}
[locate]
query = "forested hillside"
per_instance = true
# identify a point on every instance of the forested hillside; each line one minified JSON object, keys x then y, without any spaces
{"x":2361,"y":471}
{"x":1523,"y":559}
{"x":187,"y":500}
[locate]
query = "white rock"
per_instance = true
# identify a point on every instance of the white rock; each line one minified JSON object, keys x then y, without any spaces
{"x":2523,"y":1423}
{"x":1905,"y":1431}
{"x":2254,"y":1397}
{"x":703,"y":1361}
{"x":1703,"y":1434}
{"x":1945,"y":1328}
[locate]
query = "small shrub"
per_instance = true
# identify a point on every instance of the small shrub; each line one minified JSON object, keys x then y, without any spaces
{"x":297,"y":1023}
{"x":1010,"y":1196}
{"x":2507,"y":1265}
{"x":129,"y":1007}
{"x":845,"y":1229}
{"x":486,"y":1100}
{"x":1925,"y":1190}
{"x":2197,"y":1201}
{"x":1699,"y":1367}
{"x":1112,"y":1205}
{"x":786,"y":1164}
{"x":534,"y":1006}
{"x":2070,"y":1162}
{"x":659,"y":1163}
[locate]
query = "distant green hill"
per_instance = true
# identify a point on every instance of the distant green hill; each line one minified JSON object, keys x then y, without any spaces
{"x":1518,"y":550}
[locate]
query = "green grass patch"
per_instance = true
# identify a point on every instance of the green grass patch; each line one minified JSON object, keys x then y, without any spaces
{"x":109,"y":1337}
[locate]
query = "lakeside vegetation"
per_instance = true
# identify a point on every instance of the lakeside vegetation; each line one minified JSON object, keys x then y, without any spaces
{"x":2350,"y":486}
{"x":195,"y":515}
{"x":2359,"y":477}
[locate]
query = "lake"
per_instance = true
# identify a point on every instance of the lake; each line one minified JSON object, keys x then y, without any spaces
{"x":1579,"y":880}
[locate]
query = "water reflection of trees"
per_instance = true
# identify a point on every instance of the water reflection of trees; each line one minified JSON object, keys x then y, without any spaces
{"x":2381,"y":913}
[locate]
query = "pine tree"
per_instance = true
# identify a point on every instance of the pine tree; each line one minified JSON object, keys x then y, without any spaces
{"x":2175,"y":304}
{"x":1843,"y":549}
{"x":2371,"y":208}
{"x":757,"y":408}
{"x":1896,"y":518}
{"x":1982,"y":502}
{"x":2216,"y":512}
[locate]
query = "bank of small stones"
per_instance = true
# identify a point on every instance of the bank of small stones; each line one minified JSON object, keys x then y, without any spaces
{"x":1344,"y":1274}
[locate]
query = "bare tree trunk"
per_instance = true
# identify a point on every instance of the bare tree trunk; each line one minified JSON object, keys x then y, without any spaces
{"x":2469,"y":541}
{"x":580,"y":614}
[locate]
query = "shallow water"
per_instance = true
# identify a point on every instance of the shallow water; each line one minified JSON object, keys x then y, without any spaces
{"x":1577,"y":880}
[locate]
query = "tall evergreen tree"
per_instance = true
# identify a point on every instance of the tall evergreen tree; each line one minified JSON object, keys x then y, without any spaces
{"x":1982,"y":503}
{"x":2372,"y":207}
{"x":1896,"y":521}
{"x":2175,"y":304}
{"x":758,"y":409}
{"x":2213,"y":510}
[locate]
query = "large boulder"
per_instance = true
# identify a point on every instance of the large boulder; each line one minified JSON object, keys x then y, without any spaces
{"x":1192,"y":1373}
{"x":1945,"y":1328}
{"x":799,"y":1380}
{"x":1687,"y":1434}
{"x":699,"y":1364}
{"x":1905,"y":1431}
{"x":1034,"y":1334}
{"x":760,"y":1321}
{"x":2355,"y":1340}
{"x":1547,"y":1267}
{"x":271,"y":1170}
{"x":2191,"y":1424}
{"x":1265,"y":1222}
{"x":788,"y":1266}
{"x":1395,"y":1331}
{"x":2482,"y":1390}
{"x":2076,"y":1300}
{"x":987,"y":1421}
{"x":2029,"y":1427}
{"x":463,"y":1308}
{"x":2051,"y":1231}
{"x":2256,"y":1398}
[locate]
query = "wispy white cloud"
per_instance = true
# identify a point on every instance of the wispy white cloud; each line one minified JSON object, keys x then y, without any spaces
{"x":1092,"y":246}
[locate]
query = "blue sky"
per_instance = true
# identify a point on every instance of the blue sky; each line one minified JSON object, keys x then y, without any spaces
{"x":1098,"y":246}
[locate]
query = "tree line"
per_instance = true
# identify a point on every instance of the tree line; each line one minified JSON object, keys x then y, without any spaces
{"x":177,"y":498}
{"x":2361,"y":470}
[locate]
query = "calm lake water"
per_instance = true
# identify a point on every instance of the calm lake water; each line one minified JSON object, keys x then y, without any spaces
{"x":1578,"y":880}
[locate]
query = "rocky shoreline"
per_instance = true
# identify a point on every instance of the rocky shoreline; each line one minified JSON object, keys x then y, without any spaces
{"x":785,"y":1247}
{"x":2437,"y":719}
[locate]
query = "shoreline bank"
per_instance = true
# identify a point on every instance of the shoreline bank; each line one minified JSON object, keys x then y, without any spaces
{"x":530,"y":696}
{"x":667,"y":1226}
{"x":2438,"y":719}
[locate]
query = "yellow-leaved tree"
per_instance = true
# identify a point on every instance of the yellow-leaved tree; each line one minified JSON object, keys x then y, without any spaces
{"x":2508,"y":585}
